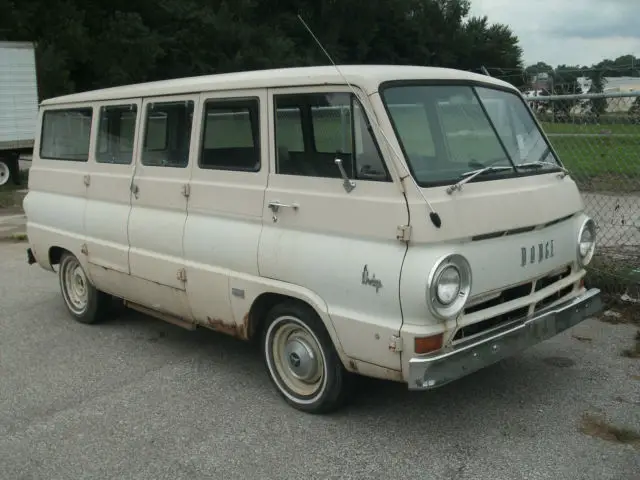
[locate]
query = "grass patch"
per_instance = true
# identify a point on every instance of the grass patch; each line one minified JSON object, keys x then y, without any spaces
{"x":19,"y":237}
{"x":15,"y":238}
{"x":598,"y":427}
{"x":590,"y":128}
{"x":601,"y":163}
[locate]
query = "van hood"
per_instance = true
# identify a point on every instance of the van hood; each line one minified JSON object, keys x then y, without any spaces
{"x":493,"y":208}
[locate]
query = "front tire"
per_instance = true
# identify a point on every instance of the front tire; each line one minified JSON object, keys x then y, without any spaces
{"x":301,"y":360}
{"x":85,"y":303}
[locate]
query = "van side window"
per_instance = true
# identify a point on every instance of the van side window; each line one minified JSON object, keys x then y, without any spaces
{"x":314,"y":129}
{"x":116,"y":132}
{"x":289,"y":125}
{"x":168,"y":134}
{"x":66,"y":134}
{"x":231,"y":135}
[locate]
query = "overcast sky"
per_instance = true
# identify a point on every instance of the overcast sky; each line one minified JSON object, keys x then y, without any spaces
{"x":568,"y":31}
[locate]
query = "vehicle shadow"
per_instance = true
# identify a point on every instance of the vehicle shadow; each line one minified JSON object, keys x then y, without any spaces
{"x":522,"y":381}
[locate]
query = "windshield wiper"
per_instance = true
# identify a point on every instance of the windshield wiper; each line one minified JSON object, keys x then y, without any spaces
{"x":468,"y":176}
{"x":540,"y":164}
{"x":531,"y":165}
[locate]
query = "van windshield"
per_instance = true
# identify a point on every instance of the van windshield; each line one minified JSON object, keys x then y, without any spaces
{"x":445,"y":132}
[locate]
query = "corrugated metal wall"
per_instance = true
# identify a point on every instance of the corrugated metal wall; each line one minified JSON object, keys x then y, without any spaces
{"x":18,"y":95}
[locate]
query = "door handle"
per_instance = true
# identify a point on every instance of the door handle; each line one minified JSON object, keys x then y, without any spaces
{"x":276,"y":205}
{"x":134,"y":190}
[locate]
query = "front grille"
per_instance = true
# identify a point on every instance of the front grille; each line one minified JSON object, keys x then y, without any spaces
{"x":493,"y":322}
{"x":551,"y":279}
{"x":514,"y":293}
{"x":546,"y":301}
{"x":507,"y":295}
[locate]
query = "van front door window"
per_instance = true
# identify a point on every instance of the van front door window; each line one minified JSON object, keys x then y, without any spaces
{"x":313,"y":129}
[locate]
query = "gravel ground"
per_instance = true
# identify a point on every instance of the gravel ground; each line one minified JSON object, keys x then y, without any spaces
{"x":137,"y":398}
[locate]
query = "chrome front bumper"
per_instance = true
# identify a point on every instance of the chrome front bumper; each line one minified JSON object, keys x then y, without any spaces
{"x":430,"y":372}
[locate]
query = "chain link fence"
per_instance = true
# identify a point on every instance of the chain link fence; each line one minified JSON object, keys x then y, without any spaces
{"x":597,"y":137}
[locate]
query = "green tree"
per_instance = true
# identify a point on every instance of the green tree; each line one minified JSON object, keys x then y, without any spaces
{"x":597,"y":106}
{"x":87,"y":44}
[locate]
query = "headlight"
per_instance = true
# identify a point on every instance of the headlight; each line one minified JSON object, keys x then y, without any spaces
{"x":449,"y":286}
{"x":586,"y":242}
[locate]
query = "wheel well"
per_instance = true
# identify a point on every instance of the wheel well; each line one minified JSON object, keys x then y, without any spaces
{"x":55,"y":253}
{"x":261,"y":307}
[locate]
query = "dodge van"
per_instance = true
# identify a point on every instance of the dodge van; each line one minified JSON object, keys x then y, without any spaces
{"x":407,"y":223}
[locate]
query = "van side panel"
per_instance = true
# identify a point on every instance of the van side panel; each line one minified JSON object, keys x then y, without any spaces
{"x":224,"y":220}
{"x":56,"y":200}
{"x":159,"y":202}
{"x":341,"y":245}
{"x":109,"y":192}
{"x":219,"y":246}
{"x":106,"y":218}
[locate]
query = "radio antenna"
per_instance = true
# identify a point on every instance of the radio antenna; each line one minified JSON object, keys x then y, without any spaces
{"x":433,"y":215}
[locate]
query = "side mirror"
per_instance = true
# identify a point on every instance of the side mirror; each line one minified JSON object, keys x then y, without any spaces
{"x":347,"y":183}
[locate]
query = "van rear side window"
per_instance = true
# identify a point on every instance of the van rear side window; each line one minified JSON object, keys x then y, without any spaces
{"x":116,"y":133}
{"x":231,"y":137}
{"x":168,"y":134}
{"x":66,"y":134}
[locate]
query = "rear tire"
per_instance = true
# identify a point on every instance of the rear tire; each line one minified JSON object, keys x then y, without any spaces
{"x":301,"y":360}
{"x":5,"y":173}
{"x":85,"y":303}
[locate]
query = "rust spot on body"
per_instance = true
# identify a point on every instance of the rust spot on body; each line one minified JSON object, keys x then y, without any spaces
{"x":232,"y":329}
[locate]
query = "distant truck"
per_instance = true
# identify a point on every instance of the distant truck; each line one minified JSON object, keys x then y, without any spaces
{"x":18,"y":106}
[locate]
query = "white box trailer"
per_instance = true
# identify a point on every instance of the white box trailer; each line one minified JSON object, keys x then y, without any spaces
{"x":18,"y":106}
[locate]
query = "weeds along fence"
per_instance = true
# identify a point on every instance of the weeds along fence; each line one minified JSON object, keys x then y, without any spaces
{"x":597,"y":137}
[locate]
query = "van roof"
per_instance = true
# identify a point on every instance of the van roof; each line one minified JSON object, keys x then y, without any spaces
{"x":366,"y":77}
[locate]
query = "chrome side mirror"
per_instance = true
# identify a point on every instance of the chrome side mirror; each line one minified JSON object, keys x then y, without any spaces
{"x":347,"y":183}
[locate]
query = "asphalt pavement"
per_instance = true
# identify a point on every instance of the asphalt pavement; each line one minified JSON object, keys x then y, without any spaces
{"x":135,"y":398}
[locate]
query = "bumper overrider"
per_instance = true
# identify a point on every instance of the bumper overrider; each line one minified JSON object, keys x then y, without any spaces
{"x":433,"y":371}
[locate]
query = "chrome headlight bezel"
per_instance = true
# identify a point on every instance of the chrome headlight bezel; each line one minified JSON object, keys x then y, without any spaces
{"x":450,"y":310}
{"x":587,"y":226}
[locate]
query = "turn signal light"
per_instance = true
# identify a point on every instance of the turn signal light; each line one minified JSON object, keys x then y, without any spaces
{"x":428,"y":344}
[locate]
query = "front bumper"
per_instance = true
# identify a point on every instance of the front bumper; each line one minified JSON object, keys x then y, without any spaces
{"x":430,"y":372}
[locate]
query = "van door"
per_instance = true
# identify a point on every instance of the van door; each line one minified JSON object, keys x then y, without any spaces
{"x":159,"y":203}
{"x":324,"y":235}
{"x":109,"y":192}
{"x":229,"y":177}
{"x":58,"y":179}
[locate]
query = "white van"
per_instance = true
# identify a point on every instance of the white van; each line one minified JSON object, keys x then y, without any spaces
{"x":372,"y":220}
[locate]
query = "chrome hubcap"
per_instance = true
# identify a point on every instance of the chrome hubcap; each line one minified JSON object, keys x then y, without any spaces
{"x":301,"y":359}
{"x":297,"y":357}
{"x":75,"y":287}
